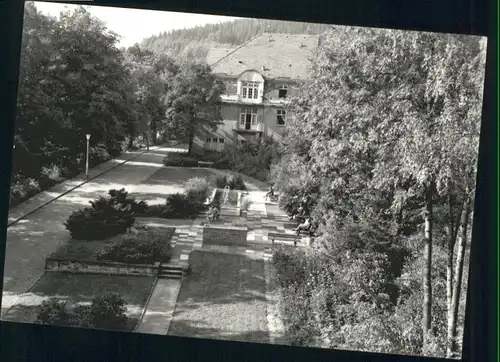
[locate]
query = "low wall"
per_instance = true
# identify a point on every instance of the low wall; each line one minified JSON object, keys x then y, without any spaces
{"x":100,"y":267}
{"x":225,"y":235}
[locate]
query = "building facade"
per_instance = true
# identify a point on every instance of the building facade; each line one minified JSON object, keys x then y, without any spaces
{"x":260,"y":77}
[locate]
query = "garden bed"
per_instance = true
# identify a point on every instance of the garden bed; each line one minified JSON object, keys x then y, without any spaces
{"x":81,"y":288}
{"x":224,"y":297}
{"x":137,"y":252}
{"x":100,"y":267}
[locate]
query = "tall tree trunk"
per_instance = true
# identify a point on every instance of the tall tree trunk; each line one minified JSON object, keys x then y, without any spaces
{"x":452,"y":238}
{"x":427,"y":269}
{"x":146,"y":138}
{"x":154,"y":132}
{"x":190,"y":140}
{"x":452,"y":348}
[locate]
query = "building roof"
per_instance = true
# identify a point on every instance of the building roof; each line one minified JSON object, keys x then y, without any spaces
{"x":217,"y":53}
{"x":273,"y":55}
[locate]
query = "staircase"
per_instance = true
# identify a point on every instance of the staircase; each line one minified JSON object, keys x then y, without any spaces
{"x":166,"y":271}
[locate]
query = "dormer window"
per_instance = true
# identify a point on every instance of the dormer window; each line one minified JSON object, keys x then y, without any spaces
{"x":283,"y":91}
{"x":249,"y":90}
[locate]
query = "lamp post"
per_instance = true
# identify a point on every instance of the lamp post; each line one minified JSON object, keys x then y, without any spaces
{"x":87,"y":136}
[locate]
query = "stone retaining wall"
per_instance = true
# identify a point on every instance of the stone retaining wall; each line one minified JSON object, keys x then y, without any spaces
{"x":100,"y":267}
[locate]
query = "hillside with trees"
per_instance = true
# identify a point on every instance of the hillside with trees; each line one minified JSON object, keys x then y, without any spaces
{"x":194,"y":43}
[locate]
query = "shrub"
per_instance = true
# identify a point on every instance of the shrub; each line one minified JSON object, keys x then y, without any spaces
{"x":180,"y":206}
{"x":156,"y":210}
{"x":97,"y":224}
{"x":23,"y":188}
{"x":105,"y":218}
{"x":52,"y":173}
{"x":234,"y":182}
{"x":98,"y":154}
{"x":81,"y":316}
{"x":54,"y":312}
{"x":180,"y":160}
{"x":290,"y":266}
{"x":245,"y":204}
{"x":108,"y":311}
{"x":122,"y":199}
{"x":197,"y":188}
{"x":144,"y":247}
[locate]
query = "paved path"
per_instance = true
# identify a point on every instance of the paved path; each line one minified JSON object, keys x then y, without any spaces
{"x":33,"y":239}
{"x":160,"y":307}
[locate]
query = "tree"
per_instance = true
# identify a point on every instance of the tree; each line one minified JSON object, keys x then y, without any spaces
{"x":53,"y":311}
{"x":193,"y":101}
{"x":108,"y":311}
{"x":151,"y":75}
{"x":387,"y":126}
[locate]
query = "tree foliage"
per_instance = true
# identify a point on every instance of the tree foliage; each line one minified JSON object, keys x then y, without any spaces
{"x":384,"y":139}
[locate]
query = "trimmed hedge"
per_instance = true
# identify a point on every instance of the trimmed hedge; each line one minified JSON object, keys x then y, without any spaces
{"x":180,"y":160}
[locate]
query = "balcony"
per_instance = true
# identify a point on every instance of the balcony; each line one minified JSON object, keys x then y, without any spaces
{"x":236,"y":99}
{"x":241,"y":128}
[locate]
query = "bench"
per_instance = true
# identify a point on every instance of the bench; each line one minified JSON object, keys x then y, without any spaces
{"x":205,"y":163}
{"x":283,"y":237}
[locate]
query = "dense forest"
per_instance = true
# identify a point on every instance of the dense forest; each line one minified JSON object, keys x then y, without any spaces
{"x":194,"y":43}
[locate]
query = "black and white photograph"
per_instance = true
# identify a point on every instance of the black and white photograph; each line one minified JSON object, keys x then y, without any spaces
{"x":243,"y":179}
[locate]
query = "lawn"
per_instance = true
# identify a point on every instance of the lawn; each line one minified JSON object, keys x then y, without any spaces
{"x":79,"y":288}
{"x":177,"y":176}
{"x":168,"y":180}
{"x":223,"y":298}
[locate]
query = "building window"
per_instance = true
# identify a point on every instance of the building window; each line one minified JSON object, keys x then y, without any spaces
{"x":209,"y":140}
{"x":281,"y":117}
{"x":214,"y":140}
{"x":221,"y":140}
{"x":283,"y":91}
{"x":250,"y":90}
{"x":248,"y":117}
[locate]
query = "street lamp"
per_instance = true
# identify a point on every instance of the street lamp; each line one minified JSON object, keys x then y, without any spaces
{"x":87,"y":136}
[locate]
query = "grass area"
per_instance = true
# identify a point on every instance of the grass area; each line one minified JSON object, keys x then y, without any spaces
{"x":223,"y":298}
{"x":169,"y":176}
{"x":81,"y":288}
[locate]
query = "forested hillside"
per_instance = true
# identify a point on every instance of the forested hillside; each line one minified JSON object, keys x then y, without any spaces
{"x":194,"y":43}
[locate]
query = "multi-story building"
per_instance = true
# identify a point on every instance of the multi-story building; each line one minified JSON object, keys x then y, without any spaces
{"x":260,"y":77}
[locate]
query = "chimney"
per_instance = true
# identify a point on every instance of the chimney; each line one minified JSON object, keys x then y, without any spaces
{"x":263,"y":68}
{"x":269,"y":40}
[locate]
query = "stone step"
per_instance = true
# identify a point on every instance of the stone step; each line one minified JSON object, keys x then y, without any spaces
{"x":170,"y":275}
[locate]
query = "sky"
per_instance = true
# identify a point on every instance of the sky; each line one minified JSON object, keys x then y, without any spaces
{"x":135,"y":25}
